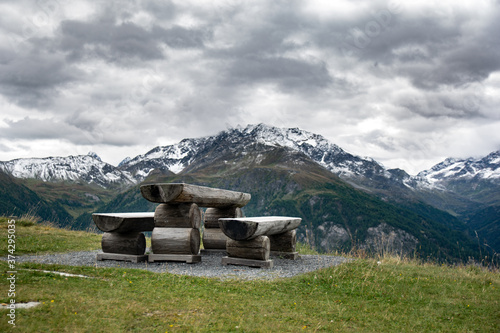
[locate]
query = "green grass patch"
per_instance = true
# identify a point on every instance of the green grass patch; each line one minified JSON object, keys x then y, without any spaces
{"x":35,"y":238}
{"x":366,"y":295}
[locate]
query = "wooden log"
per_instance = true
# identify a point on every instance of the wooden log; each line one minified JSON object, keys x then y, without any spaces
{"x":175,"y":241}
{"x":284,"y":242}
{"x":187,"y":258}
{"x":245,"y":228}
{"x":200,"y":195}
{"x":121,"y":257}
{"x":124,"y":222}
{"x":214,"y":239}
{"x":129,"y":243}
{"x":212,"y":215}
{"x":178,"y":216}
{"x":247,"y":262}
{"x":257,"y":248}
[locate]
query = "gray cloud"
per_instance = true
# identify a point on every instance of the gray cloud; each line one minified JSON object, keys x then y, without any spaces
{"x":179,"y":37}
{"x":126,"y":42}
{"x":31,"y":80}
{"x":144,"y":73}
{"x":76,"y":132}
{"x":162,"y":10}
{"x":114,"y":42}
{"x":290,"y":74}
{"x":431,"y":48}
{"x":440,"y":105}
{"x":35,"y":129}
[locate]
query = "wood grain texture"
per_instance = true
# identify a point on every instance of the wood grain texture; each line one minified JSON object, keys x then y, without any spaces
{"x":187,"y":258}
{"x":124,"y":222}
{"x":285,"y":242}
{"x":200,"y":195}
{"x":286,"y":255}
{"x":257,"y":248}
{"x":175,"y":241}
{"x":246,"y":228}
{"x":129,"y":243}
{"x":212,"y":215}
{"x":247,"y":262}
{"x":214,"y":239}
{"x":121,"y":257}
{"x":178,"y":216}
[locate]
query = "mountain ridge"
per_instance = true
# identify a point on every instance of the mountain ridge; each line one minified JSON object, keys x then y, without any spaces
{"x":87,"y":168}
{"x":176,"y":157}
{"x":286,"y":170}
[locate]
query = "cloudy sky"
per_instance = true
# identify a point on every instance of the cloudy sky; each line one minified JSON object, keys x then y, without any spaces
{"x":406,"y":84}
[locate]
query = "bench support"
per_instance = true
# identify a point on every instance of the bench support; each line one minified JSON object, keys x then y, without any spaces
{"x":187,"y":258}
{"x":247,"y":262}
{"x":122,"y":257}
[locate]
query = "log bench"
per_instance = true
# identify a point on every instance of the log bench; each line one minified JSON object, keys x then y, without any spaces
{"x":176,"y":222}
{"x":177,"y":219}
{"x":123,"y":238}
{"x":253,"y":239}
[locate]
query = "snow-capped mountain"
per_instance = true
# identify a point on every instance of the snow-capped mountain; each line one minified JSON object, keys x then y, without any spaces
{"x":243,"y":145}
{"x":86,"y":168}
{"x":278,"y":166}
{"x":176,"y":158}
{"x":485,"y":168}
{"x":462,"y":186}
{"x":173,"y":158}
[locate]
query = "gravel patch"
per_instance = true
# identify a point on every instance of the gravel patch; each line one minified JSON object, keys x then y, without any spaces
{"x":210,"y":265}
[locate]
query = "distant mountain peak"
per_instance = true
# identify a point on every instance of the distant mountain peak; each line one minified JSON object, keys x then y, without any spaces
{"x":455,"y":169}
{"x":125,"y":161}
{"x":94,"y":155}
{"x":176,"y":158}
{"x":88,"y":168}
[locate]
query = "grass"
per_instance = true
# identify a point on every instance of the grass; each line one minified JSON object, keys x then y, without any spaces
{"x":387,"y":294}
{"x":35,"y":238}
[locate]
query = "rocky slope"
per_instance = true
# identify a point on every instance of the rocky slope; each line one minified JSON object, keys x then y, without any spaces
{"x":89,"y":169}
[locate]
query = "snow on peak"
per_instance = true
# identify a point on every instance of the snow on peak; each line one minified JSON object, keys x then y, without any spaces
{"x":125,"y":161}
{"x":94,"y":155}
{"x":294,"y":138}
{"x":177,"y":157}
{"x":89,"y":168}
{"x":487,"y":167}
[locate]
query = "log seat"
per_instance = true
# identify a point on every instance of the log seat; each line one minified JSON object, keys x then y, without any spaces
{"x":253,"y":239}
{"x":124,"y":222}
{"x":247,"y":228}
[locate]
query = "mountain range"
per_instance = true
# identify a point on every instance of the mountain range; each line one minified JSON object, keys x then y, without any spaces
{"x":345,"y":200}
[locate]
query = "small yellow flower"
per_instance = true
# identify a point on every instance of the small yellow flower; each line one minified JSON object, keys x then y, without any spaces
{"x":52,"y":301}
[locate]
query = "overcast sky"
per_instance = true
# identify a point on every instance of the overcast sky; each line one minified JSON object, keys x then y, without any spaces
{"x":406,"y":84}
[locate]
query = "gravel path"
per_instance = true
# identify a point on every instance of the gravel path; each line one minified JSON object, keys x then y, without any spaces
{"x":210,"y":265}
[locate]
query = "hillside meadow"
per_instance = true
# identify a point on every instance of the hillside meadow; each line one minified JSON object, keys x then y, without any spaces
{"x":379,"y":294}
